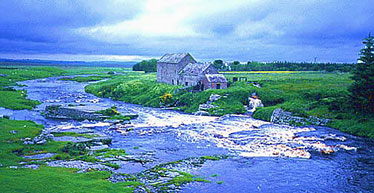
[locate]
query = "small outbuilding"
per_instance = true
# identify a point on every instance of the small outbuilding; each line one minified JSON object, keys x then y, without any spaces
{"x":214,"y":81}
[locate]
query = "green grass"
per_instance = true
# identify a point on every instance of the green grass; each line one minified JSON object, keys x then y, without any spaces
{"x":310,"y":94}
{"x":11,"y":146}
{"x":72,"y":134}
{"x":47,"y":179}
{"x":16,"y":99}
{"x":111,"y":153}
{"x":136,"y":88}
{"x":264,"y":113}
{"x":87,"y":78}
{"x":19,"y":73}
{"x":94,"y":70}
{"x":302,"y":93}
{"x":10,"y":75}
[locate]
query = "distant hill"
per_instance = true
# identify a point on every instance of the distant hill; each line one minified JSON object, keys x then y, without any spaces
{"x":34,"y":62}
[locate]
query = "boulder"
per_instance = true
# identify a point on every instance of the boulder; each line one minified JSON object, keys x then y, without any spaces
{"x":283,"y":117}
{"x":74,"y":112}
{"x":253,"y":103}
{"x":40,"y":156}
{"x":205,"y":107}
{"x":31,"y":166}
{"x":201,"y":113}
{"x":214,"y":97}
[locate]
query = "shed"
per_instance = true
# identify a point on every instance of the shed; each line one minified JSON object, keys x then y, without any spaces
{"x":214,"y":81}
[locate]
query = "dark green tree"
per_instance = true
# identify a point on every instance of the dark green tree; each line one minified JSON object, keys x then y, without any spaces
{"x":218,"y":64}
{"x":146,"y":66}
{"x":362,"y":90}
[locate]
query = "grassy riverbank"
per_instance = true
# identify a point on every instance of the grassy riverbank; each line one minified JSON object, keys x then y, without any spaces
{"x":45,"y":179}
{"x":305,"y":94}
{"x":9,"y":76}
{"x":16,"y":99}
{"x":16,"y":178}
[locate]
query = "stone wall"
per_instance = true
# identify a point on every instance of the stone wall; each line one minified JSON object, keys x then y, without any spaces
{"x":280,"y":116}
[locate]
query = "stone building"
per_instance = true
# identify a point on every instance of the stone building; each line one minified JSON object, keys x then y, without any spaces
{"x":169,"y":66}
{"x":183,"y":69}
{"x":214,"y":81}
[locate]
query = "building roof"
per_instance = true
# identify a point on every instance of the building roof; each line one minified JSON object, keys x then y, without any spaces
{"x":194,"y":68}
{"x":215,"y":78}
{"x":173,"y":58}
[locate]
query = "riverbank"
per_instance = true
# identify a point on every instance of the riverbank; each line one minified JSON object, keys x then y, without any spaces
{"x":147,"y":153}
{"x":30,"y":152}
{"x":305,"y":94}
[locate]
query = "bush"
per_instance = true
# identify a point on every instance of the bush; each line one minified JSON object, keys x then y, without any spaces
{"x":75,"y":149}
{"x":264,"y":113}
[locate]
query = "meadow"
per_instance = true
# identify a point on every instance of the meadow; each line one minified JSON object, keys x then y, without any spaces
{"x":303,"y":93}
{"x":320,"y":94}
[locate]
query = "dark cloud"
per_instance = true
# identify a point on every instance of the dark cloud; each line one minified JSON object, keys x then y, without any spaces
{"x":265,"y":30}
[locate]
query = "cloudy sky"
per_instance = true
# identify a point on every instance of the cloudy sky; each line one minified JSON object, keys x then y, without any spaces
{"x":261,"y":30}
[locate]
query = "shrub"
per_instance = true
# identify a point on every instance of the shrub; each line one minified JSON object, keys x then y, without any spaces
{"x":264,"y":113}
{"x":75,"y":149}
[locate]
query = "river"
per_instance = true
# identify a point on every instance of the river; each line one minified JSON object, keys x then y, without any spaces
{"x":264,"y":157}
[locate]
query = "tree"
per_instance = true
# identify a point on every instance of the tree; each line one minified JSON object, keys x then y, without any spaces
{"x":146,"y":66}
{"x":218,"y":64}
{"x":362,"y":90}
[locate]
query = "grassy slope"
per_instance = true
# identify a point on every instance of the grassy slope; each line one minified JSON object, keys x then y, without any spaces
{"x":303,"y":93}
{"x":309,"y":94}
{"x":137,"y":88}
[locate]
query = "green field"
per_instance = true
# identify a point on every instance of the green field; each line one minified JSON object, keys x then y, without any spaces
{"x":303,"y":93}
{"x":319,"y":94}
{"x":50,"y":179}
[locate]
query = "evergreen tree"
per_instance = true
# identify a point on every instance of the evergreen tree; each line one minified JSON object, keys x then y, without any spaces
{"x":362,"y":90}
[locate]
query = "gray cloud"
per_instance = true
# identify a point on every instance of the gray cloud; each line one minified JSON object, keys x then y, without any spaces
{"x":243,"y":30}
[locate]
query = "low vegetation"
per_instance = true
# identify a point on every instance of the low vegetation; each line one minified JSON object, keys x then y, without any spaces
{"x":87,"y":78}
{"x":285,"y":66}
{"x":9,"y":76}
{"x":319,"y":94}
{"x":15,"y":178}
{"x":137,"y":88}
{"x":48,"y":179}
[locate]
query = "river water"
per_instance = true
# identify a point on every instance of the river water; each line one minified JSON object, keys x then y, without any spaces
{"x":264,"y":157}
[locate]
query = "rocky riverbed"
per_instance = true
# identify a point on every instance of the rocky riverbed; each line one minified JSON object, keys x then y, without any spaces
{"x":258,"y":156}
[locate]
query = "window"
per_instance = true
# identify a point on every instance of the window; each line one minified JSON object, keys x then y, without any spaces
{"x":172,"y":81}
{"x":186,"y":83}
{"x":218,"y":86}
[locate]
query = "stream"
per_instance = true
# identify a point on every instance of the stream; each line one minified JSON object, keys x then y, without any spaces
{"x":263,"y":157}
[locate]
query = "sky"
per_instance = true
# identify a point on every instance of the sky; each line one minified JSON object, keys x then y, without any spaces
{"x":128,"y":30}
